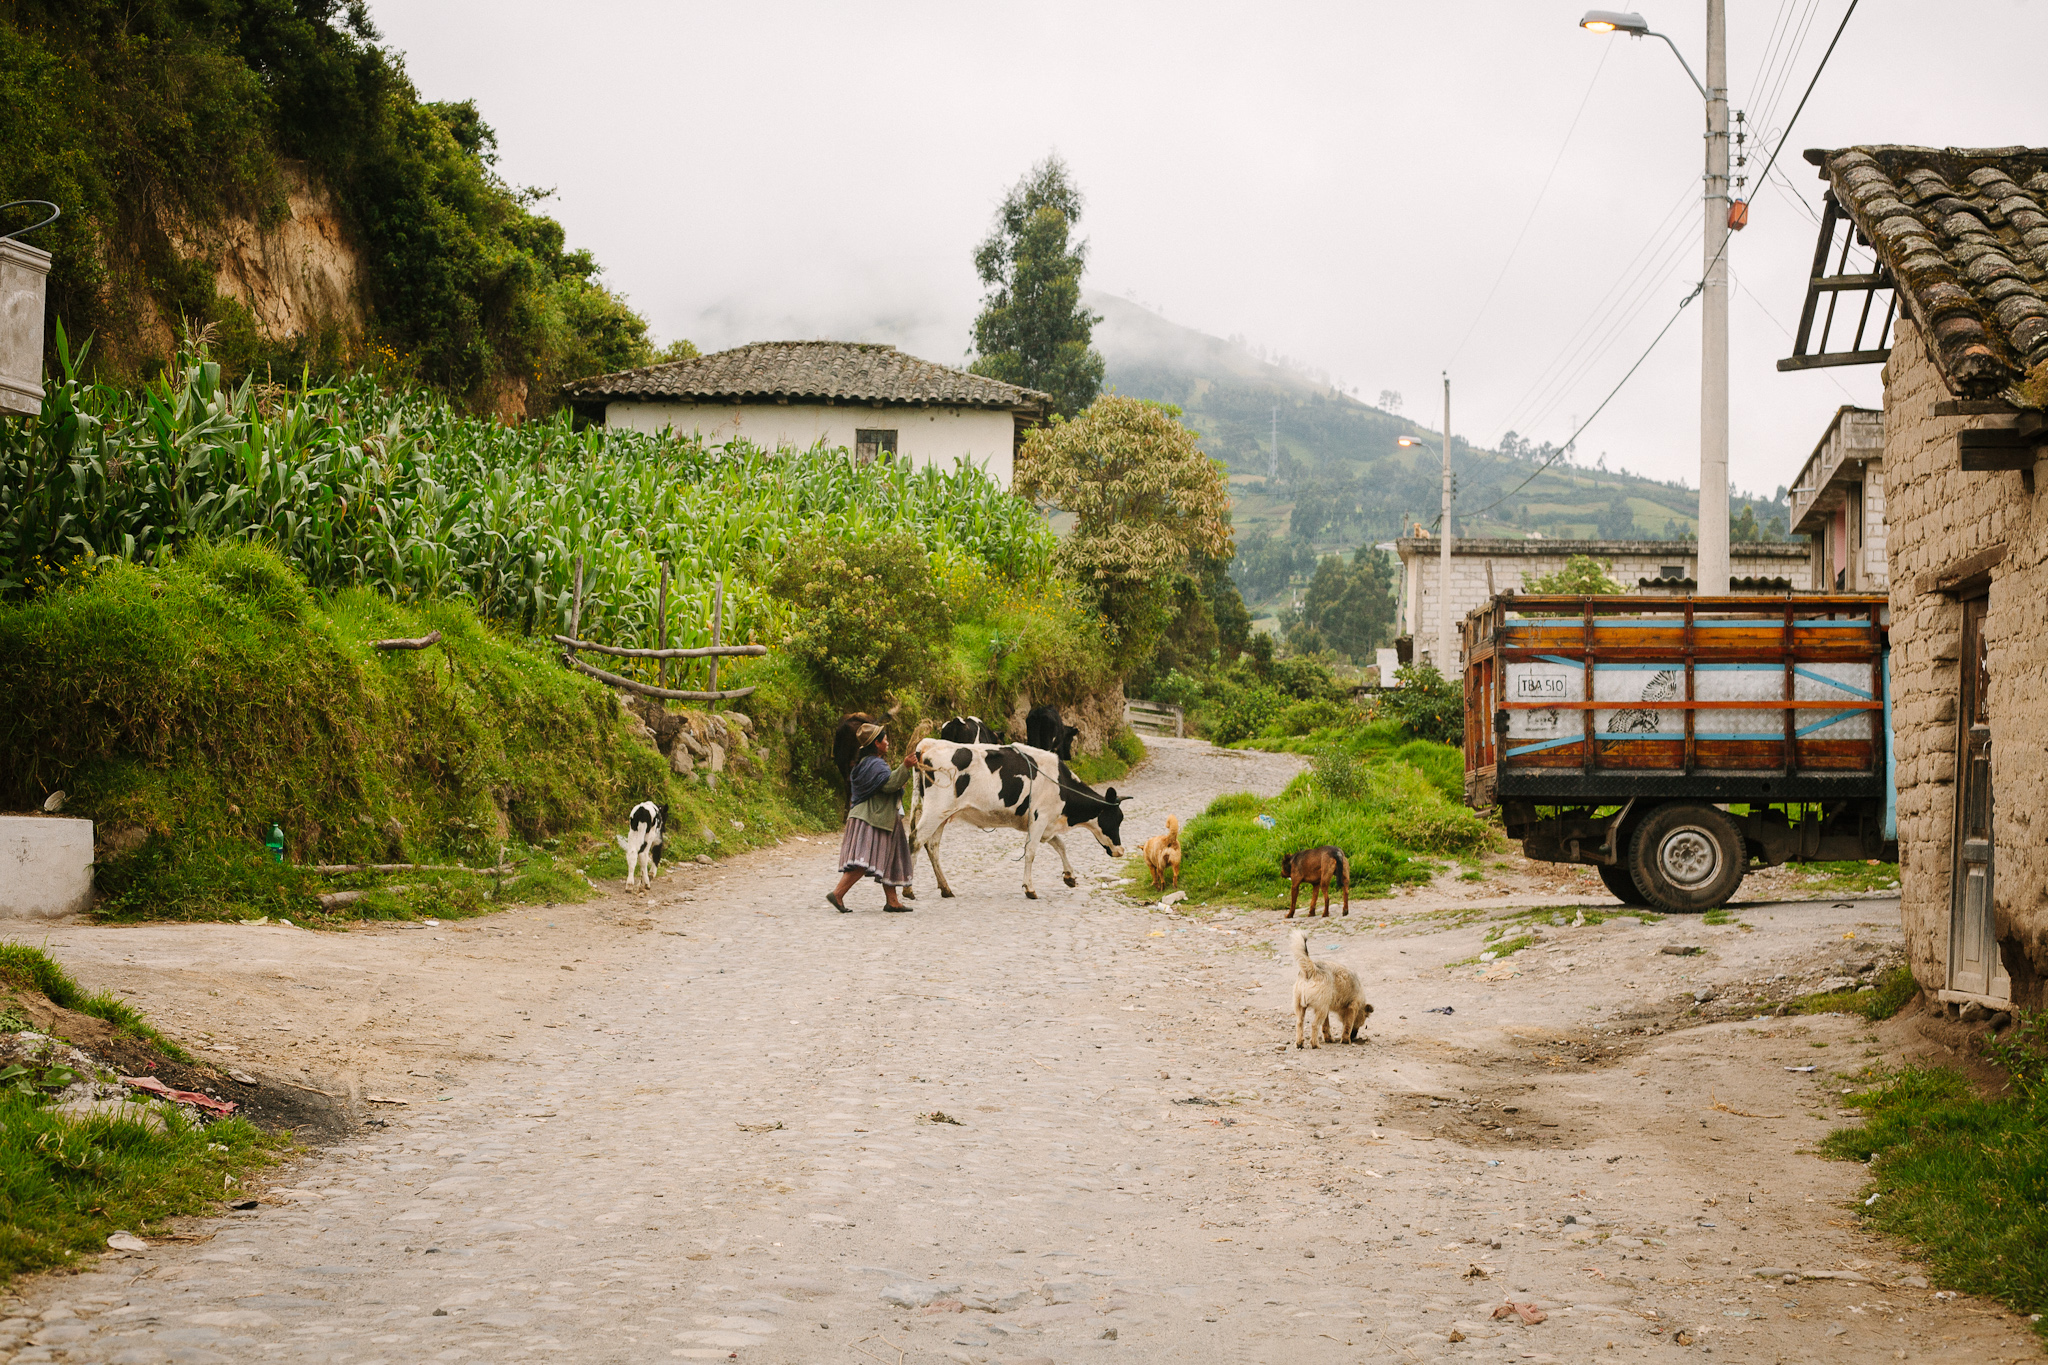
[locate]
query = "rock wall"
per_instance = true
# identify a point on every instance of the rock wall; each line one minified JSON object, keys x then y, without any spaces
{"x":1940,"y":516}
{"x":1098,"y":716}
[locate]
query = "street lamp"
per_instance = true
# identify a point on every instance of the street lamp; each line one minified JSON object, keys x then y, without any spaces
{"x":1713,"y":551}
{"x":1444,"y":653}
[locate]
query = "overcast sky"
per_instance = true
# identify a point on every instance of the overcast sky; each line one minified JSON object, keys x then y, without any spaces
{"x":1339,"y":183}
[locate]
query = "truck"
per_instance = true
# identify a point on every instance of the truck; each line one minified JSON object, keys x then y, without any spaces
{"x":1672,"y":742}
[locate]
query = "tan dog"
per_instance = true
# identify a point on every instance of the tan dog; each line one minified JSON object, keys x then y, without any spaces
{"x":1326,"y":992}
{"x":1163,"y":851}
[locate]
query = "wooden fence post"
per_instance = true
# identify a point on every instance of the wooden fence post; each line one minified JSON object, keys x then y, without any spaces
{"x":661,"y":629}
{"x":717,"y":625}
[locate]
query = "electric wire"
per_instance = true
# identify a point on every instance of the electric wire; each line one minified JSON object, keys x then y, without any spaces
{"x":1653,"y":262}
{"x":1697,"y":290}
{"x":1555,"y":161}
{"x":1655,"y":245}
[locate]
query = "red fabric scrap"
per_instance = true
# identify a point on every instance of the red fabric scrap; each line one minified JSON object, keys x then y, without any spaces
{"x":157,"y":1087}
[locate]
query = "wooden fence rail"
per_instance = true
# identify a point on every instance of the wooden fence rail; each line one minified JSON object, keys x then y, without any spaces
{"x":1156,"y":718}
{"x":715,"y":651}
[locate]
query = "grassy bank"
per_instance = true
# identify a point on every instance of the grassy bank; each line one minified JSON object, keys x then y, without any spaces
{"x":1962,"y":1175}
{"x":67,"y":1182}
{"x":1383,"y":801}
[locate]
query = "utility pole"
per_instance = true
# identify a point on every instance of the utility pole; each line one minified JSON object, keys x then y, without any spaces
{"x":1445,"y":656}
{"x":1713,"y":547}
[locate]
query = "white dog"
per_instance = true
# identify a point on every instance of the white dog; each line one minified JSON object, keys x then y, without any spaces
{"x":642,"y":840}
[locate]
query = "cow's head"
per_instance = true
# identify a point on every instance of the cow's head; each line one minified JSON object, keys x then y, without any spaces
{"x":1108,"y":823}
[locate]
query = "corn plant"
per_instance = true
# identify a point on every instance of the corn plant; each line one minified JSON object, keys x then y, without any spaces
{"x":394,"y":490}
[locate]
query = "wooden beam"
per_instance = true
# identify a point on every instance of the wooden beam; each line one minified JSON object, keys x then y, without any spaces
{"x":1962,"y":573}
{"x":704,"y":652}
{"x":1974,"y":407}
{"x":421,"y":642}
{"x":1833,"y":358}
{"x":1986,"y":449}
{"x":646,"y":690}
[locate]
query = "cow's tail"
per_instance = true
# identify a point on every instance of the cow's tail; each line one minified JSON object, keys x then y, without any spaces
{"x":1344,"y":868}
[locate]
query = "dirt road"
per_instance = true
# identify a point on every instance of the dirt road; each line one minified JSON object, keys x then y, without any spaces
{"x":723,"y":1122}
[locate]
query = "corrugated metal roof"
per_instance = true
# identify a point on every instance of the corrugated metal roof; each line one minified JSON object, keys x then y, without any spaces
{"x":1965,"y":233}
{"x":840,"y":371}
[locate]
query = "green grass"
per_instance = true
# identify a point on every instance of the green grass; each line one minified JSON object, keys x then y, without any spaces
{"x":1124,"y":752}
{"x":1853,"y":877}
{"x":1894,"y":991}
{"x":65,"y":1185}
{"x":1390,"y":817}
{"x":33,"y":969}
{"x":1961,"y":1176}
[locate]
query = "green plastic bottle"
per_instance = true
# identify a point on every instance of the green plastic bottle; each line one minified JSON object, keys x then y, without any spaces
{"x":274,"y":841}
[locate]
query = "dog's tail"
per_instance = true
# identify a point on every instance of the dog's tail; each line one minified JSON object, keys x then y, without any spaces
{"x":1173,"y":831}
{"x":1301,"y":958}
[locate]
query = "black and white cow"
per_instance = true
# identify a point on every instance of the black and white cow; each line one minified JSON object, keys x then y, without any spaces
{"x":642,"y":840}
{"x":1009,"y":786}
{"x":968,"y":730}
{"x":1046,"y":728}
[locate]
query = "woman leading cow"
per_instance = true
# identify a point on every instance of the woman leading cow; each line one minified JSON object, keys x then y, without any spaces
{"x":875,"y":843}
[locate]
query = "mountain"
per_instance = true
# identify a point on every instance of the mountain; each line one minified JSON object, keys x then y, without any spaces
{"x":1340,"y":478}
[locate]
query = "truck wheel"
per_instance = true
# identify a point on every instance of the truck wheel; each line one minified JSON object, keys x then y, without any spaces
{"x":1687,"y":858}
{"x":1621,"y":883}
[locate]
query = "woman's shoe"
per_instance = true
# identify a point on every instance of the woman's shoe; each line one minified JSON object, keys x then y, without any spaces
{"x":837,"y":904}
{"x":899,"y":909}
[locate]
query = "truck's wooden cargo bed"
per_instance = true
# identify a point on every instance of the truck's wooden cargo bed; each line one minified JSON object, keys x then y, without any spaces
{"x":1598,"y":699}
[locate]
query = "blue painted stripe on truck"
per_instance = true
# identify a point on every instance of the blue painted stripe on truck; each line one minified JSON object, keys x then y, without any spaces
{"x":1831,"y":682}
{"x":1546,"y":744}
{"x":1838,"y":717}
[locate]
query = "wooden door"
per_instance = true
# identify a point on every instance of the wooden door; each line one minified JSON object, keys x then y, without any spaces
{"x":1972,"y":946}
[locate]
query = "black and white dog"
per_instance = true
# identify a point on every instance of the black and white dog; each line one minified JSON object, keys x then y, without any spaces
{"x":642,"y":840}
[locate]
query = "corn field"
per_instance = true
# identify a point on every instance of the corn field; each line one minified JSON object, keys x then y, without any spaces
{"x":356,"y":485}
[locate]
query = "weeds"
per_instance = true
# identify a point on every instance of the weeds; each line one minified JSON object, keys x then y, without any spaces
{"x":33,"y":969}
{"x":1892,"y":993}
{"x":1963,"y":1176}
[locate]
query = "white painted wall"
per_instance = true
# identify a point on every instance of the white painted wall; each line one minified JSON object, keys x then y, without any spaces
{"x":934,"y":435}
{"x":45,"y":867}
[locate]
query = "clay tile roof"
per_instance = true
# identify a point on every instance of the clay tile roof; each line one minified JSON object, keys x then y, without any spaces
{"x":844,"y":371}
{"x":1965,"y":233}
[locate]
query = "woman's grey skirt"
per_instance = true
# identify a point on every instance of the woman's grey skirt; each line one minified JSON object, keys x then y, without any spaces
{"x":882,"y":854}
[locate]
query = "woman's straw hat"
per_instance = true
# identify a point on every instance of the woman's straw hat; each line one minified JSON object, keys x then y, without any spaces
{"x":867,"y":734}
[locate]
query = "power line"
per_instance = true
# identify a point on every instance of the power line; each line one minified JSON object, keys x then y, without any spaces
{"x":1697,"y":290}
{"x":1682,"y":305}
{"x":1624,"y":282}
{"x":1554,"y":163}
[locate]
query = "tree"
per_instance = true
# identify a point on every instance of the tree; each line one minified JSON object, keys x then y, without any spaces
{"x":1390,"y":401}
{"x":1617,"y":520}
{"x":1581,"y":575}
{"x":1351,"y":606}
{"x":1033,"y":330}
{"x":1743,"y":529}
{"x":1147,"y":504}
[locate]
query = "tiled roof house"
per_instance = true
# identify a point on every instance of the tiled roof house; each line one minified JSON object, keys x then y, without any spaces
{"x":1955,"y":243}
{"x":871,"y":399}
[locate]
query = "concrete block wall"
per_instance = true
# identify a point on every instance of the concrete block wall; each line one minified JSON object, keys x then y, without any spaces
{"x":45,"y":867}
{"x":1516,"y":562}
{"x":1937,"y":516}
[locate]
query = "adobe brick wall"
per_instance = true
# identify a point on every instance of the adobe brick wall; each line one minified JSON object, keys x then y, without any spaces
{"x":1937,"y":515}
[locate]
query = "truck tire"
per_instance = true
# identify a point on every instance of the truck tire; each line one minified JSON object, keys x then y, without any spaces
{"x":1621,"y":883}
{"x":1687,"y":857}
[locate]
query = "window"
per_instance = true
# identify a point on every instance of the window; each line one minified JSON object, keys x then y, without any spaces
{"x":1669,"y":570}
{"x":870,"y":445}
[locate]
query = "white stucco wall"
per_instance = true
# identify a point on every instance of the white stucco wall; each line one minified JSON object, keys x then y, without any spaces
{"x":933,"y":435}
